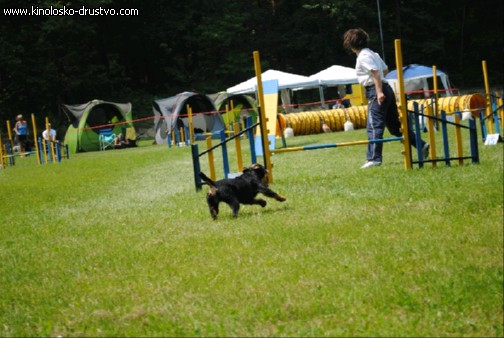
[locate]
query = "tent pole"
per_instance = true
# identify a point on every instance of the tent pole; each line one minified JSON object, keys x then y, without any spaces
{"x":322,"y":98}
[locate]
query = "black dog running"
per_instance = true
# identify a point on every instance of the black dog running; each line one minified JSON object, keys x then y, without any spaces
{"x":242,"y":189}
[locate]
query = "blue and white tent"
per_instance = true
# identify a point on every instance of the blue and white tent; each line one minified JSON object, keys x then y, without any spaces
{"x":415,"y":78}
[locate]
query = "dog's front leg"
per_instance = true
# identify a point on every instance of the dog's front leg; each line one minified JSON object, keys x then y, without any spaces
{"x":213,"y":205}
{"x":270,"y":193}
{"x":259,"y":201}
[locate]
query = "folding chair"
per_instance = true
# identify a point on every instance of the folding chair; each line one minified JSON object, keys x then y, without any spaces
{"x":106,"y":138}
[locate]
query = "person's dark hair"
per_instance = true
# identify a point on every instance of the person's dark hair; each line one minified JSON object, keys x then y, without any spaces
{"x":355,"y":38}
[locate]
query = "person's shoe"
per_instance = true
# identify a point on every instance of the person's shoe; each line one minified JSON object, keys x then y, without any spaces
{"x":425,"y":151}
{"x":370,"y":164}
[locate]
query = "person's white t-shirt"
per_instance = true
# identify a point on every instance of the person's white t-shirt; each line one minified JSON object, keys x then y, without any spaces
{"x":52,"y":134}
{"x":367,"y":60}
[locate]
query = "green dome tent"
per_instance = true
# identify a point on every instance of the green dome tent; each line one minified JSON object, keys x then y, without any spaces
{"x":90,"y":118}
{"x":172,"y":112}
{"x":244,"y":106}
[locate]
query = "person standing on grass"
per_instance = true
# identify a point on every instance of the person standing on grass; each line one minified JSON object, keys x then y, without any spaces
{"x":382,"y":107}
{"x":21,"y":130}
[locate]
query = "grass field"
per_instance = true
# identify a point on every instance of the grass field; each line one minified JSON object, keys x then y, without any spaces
{"x":119,"y":243}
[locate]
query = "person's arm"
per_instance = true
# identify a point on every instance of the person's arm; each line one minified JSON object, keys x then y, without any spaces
{"x":380,"y":97}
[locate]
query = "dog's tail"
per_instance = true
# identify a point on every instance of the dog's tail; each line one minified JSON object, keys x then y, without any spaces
{"x":213,"y":188}
{"x":207,"y":179}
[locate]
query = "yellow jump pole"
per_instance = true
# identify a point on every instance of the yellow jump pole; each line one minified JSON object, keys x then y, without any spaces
{"x":403,"y":105}
{"x":48,"y":143}
{"x":35,"y":139}
{"x":238,"y":149}
{"x":436,"y":91}
{"x":233,"y":112}
{"x":182,"y":135}
{"x":228,"y":118}
{"x":9,"y":133}
{"x":432,"y":135}
{"x":488,"y":101}
{"x":51,"y":143}
{"x":211,"y":165}
{"x":44,"y":149}
{"x":191,"y":128}
{"x":264,"y":129}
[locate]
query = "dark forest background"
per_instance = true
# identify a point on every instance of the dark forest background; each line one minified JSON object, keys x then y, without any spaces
{"x":206,"y":46}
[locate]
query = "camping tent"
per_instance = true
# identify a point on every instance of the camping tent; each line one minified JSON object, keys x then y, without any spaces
{"x":285,"y":81}
{"x":415,"y":78}
{"x":244,"y":106}
{"x":172,"y":112}
{"x":88,"y":119}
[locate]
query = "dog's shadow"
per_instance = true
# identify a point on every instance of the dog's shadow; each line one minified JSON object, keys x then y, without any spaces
{"x":250,"y":212}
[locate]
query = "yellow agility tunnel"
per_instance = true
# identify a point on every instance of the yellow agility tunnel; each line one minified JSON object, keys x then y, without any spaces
{"x":452,"y":104}
{"x":310,"y":122}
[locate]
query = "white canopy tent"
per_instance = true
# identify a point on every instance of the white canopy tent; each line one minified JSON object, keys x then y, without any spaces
{"x":334,"y":76}
{"x":286,"y":81}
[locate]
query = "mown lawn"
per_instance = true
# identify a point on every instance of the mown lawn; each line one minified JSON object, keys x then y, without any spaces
{"x":119,"y":243}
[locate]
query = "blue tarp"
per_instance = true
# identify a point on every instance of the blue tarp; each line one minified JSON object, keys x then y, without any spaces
{"x":415,"y":79}
{"x":414,"y":72}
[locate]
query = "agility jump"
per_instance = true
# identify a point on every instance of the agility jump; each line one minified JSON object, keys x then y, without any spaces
{"x":248,"y":131}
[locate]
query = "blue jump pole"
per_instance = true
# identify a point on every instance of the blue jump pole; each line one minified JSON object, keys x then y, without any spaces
{"x":418,"y":138}
{"x":58,"y":151}
{"x":473,"y":138}
{"x":251,"y":138}
{"x":225,"y":159}
{"x":169,"y":139}
{"x":41,"y":151}
{"x":187,"y":138}
{"x":444,"y":132}
{"x":495,"y":113}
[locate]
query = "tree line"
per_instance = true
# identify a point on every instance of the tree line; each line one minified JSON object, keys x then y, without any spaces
{"x":206,"y":46}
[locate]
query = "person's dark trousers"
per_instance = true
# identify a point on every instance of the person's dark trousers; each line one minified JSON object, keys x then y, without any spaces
{"x":381,"y":116}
